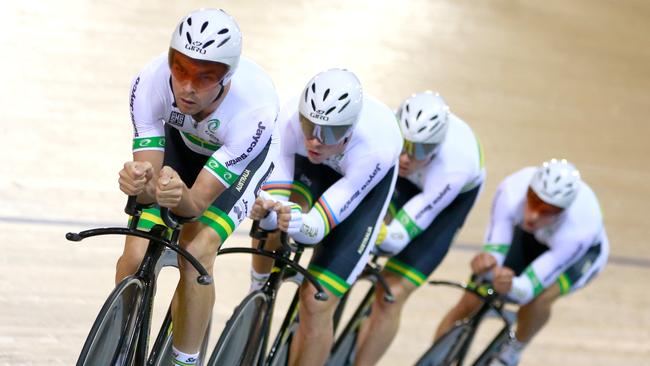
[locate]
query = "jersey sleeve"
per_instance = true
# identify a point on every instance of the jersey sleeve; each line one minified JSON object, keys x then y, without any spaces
{"x":546,"y":268}
{"x":343,"y":197}
{"x":146,"y":108}
{"x":498,"y":236}
{"x":254,"y":130}
{"x":440,"y":189}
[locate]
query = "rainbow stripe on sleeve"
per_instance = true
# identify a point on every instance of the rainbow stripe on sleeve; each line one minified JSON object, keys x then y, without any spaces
{"x":326,"y":214}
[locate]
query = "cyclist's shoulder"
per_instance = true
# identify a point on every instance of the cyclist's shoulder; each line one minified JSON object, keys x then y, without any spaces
{"x":252,"y":87}
{"x":377,"y":132}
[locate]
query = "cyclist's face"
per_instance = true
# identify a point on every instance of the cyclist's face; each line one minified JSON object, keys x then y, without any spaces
{"x":317,"y":152}
{"x":538,"y":213}
{"x":195,"y":83}
{"x":408,"y":164}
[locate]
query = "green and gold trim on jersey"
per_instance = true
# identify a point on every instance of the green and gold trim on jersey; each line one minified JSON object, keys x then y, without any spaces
{"x":149,"y":218}
{"x":408,"y":223}
{"x":148,"y":143}
{"x":411,"y":274}
{"x":195,"y":140}
{"x":565,"y":284}
{"x":219,"y":221}
{"x":221,"y":171}
{"x":329,"y":280}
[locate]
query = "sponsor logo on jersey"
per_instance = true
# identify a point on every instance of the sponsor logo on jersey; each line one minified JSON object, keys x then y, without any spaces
{"x":435,"y":201}
{"x":364,"y":242}
{"x":131,"y":102}
{"x":242,"y":180}
{"x":256,"y":137}
{"x":213,"y":124}
{"x":236,"y":160}
{"x":176,"y":119}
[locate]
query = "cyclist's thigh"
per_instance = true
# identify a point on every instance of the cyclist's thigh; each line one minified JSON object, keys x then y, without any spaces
{"x":425,"y":252}
{"x":233,"y":205}
{"x":341,"y":256}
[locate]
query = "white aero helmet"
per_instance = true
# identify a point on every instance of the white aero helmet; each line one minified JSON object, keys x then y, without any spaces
{"x":330,"y":105}
{"x":423,"y":119}
{"x":209,"y":35}
{"x":556,"y":182}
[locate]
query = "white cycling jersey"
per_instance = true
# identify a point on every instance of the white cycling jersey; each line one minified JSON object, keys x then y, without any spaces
{"x":233,"y":135}
{"x":456,"y":168}
{"x":578,"y":228}
{"x":373,"y":149}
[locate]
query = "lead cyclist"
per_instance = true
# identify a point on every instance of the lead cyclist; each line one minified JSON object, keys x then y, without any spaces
{"x":338,"y":159}
{"x":546,"y":239}
{"x":203,"y":122}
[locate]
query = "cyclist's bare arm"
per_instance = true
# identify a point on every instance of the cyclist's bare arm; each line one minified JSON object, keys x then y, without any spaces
{"x":173,"y":193}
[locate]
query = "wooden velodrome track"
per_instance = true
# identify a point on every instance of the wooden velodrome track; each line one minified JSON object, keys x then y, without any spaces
{"x":534,"y":79}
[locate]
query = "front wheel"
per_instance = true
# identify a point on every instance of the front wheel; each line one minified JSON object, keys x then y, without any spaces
{"x":113,"y":333}
{"x":449,"y":349}
{"x":240,"y":342}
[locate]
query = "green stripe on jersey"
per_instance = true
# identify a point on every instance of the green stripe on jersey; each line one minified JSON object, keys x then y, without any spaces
{"x":496,"y":248}
{"x":411,"y":228}
{"x":537,"y":284}
{"x":141,"y":143}
{"x":219,"y":169}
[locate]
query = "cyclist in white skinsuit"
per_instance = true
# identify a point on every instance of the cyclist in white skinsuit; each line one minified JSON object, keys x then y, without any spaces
{"x":546,"y":238}
{"x":203,"y":122}
{"x":339,"y":159}
{"x":441,"y":174}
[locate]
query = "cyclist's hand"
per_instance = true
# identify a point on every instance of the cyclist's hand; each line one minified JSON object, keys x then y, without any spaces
{"x":262,"y":205}
{"x":169,"y":188}
{"x":482,"y":263}
{"x":289,"y":218}
{"x":134,"y":177}
{"x":502,"y":281}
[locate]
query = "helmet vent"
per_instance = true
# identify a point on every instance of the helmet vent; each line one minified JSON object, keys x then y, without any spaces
{"x":205,"y":25}
{"x":189,"y":21}
{"x":422,"y":129}
{"x":557,"y":179}
{"x":330,"y":111}
{"x":433,"y":118}
{"x":313,"y":105}
{"x":223,"y":31}
{"x":407,"y":108}
{"x":206,"y":44}
{"x":419,"y":114}
{"x":327,"y":92}
{"x":345,"y":95}
{"x":406,"y":122}
{"x":313,"y":88}
{"x":344,"y":105}
{"x":180,"y":29}
{"x":223,"y":42}
{"x":306,"y":92}
{"x":434,"y":126}
{"x":189,"y":39}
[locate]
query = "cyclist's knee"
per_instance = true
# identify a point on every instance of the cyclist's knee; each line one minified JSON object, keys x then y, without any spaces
{"x":311,"y":308}
{"x":202,"y":242}
{"x":134,"y":250}
{"x":400,"y":288}
{"x":545,"y":300}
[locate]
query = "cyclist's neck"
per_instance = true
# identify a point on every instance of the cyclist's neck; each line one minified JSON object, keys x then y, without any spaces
{"x":214,"y":105}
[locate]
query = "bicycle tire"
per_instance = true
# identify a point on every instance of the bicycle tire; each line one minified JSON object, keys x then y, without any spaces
{"x":492,"y":350}
{"x":281,"y":356}
{"x":240,"y":342}
{"x":113,"y":331}
{"x":448,"y":349}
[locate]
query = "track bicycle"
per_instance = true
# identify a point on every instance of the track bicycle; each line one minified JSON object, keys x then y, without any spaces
{"x":344,"y":349}
{"x":245,"y":337}
{"x":120,"y":333}
{"x":453,"y":346}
